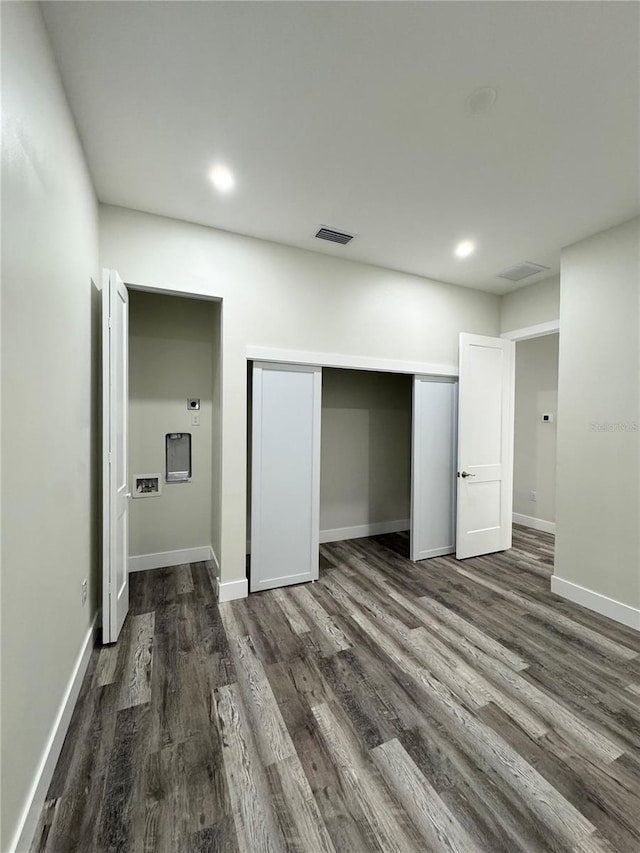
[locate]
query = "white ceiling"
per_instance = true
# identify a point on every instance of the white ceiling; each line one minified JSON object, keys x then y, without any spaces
{"x":353,"y":115}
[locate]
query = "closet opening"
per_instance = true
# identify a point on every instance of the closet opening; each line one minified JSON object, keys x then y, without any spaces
{"x":174,"y":419}
{"x":365,"y":462}
{"x":337,"y":454}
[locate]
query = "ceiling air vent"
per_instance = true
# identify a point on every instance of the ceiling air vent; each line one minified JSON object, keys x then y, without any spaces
{"x":521,"y":271}
{"x":334,"y":236}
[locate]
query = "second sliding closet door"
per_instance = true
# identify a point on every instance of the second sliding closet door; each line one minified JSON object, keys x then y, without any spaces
{"x":433,"y":474}
{"x":285,"y":474}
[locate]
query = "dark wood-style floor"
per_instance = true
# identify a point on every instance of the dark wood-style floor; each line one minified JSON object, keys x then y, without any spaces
{"x":391,"y":706}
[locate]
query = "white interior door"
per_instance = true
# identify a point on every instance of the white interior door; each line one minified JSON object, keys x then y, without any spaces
{"x":433,"y":467}
{"x":285,"y":473}
{"x":485,"y":445}
{"x":115,"y":490}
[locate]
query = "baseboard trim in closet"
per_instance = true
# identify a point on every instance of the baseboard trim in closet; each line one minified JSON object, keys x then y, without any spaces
{"x":535,"y":523}
{"x":164,"y":559}
{"x":376,"y":529}
{"x":231,"y":590}
{"x":616,"y":610}
{"x":51,"y":753}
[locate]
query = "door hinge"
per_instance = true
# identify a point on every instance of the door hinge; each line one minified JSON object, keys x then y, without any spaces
{"x":109,"y":322}
{"x":109,"y":457}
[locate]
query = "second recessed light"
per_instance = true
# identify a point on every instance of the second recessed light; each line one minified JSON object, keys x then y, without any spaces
{"x":222,"y":178}
{"x":465,"y":248}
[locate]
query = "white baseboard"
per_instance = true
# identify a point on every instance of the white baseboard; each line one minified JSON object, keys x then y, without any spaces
{"x":164,"y":559}
{"x":616,"y":610}
{"x":535,"y":523}
{"x":338,"y":534}
{"x":231,"y":590}
{"x":23,"y":836}
{"x":435,"y":552}
{"x":376,"y":529}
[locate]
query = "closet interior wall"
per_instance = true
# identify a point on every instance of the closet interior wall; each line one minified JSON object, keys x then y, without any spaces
{"x":174,"y":354}
{"x":365,"y":462}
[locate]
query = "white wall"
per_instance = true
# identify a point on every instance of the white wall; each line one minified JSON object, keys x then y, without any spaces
{"x":276,"y":296}
{"x":535,"y":441}
{"x":597,"y":500}
{"x":50,"y":349}
{"x":172,"y":355}
{"x":530,"y":305}
{"x":365,"y":475}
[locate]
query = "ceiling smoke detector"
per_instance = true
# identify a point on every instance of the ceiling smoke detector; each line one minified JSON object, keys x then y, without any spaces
{"x":334,"y":236}
{"x":481,"y":100}
{"x":521,"y":271}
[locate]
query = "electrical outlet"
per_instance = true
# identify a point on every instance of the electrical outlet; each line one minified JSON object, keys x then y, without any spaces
{"x":533,"y":496}
{"x":85,"y":586}
{"x":195,"y":418}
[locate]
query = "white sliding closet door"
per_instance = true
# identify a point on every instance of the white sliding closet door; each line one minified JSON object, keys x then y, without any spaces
{"x":285,"y":487}
{"x":433,"y":474}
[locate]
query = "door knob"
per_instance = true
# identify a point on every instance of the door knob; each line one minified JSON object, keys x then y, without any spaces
{"x":465,"y":474}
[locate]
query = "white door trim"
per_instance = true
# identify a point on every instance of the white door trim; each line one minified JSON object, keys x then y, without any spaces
{"x":526,"y":333}
{"x":349,"y":362}
{"x":106,"y":465}
{"x":167,"y":291}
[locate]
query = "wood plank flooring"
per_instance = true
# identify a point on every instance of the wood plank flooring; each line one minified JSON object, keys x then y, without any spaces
{"x":392,"y":706}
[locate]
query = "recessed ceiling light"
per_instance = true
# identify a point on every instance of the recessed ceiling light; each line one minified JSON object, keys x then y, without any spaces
{"x":465,"y":248}
{"x":222,"y":178}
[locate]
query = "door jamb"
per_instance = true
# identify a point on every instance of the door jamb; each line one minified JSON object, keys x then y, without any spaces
{"x":526,"y":333}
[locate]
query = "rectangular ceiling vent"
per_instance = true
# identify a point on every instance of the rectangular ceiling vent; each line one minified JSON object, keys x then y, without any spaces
{"x":334,"y":236}
{"x":521,"y":271}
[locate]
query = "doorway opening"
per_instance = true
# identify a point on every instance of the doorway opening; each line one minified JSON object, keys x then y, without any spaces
{"x":174,"y":429}
{"x":336,"y":453}
{"x":365,"y":467}
{"x":534,"y":480}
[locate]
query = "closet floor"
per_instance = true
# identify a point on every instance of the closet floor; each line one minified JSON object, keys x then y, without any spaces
{"x":392,"y":706}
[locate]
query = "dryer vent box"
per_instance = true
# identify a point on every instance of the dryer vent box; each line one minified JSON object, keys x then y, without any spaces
{"x":178,"y":457}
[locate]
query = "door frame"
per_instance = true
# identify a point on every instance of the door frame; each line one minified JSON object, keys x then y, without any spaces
{"x":272,"y":355}
{"x":527,"y":333}
{"x":106,"y":402}
{"x":349,"y":362}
